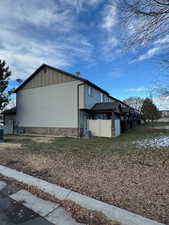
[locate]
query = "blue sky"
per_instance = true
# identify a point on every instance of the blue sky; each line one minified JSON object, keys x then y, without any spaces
{"x":77,"y":35}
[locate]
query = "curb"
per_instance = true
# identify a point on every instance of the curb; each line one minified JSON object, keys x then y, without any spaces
{"x":113,"y":213}
{"x":54,"y":213}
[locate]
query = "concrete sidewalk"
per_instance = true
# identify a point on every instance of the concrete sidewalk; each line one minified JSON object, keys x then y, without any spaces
{"x":111,"y":212}
{"x":22,"y":208}
{"x":13,"y":212}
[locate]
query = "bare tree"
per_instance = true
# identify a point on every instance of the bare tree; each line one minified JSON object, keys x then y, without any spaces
{"x":147,"y":20}
{"x":135,"y":102}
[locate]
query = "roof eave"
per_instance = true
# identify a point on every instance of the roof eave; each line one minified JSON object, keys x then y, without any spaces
{"x":71,"y":75}
{"x":61,"y":71}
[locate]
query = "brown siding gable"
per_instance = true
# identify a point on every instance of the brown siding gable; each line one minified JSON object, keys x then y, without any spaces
{"x":59,"y":71}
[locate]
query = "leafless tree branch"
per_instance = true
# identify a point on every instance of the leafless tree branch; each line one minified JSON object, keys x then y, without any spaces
{"x":146,"y":22}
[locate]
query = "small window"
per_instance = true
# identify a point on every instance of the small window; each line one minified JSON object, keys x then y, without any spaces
{"x":101,"y":97}
{"x":89,"y":91}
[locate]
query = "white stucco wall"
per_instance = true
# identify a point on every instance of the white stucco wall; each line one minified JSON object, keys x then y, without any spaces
{"x":50,"y":106}
{"x":81,"y":96}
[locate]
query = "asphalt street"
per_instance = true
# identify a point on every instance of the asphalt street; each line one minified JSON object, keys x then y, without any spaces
{"x":14,"y":213}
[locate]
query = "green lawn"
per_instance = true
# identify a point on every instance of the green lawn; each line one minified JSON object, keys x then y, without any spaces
{"x":89,"y":146}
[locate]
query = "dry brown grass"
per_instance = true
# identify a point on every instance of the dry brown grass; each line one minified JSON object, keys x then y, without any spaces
{"x":135,"y":183}
{"x":137,"y":180}
{"x":43,"y":139}
{"x":37,"y":139}
{"x":12,"y":146}
{"x":85,"y":216}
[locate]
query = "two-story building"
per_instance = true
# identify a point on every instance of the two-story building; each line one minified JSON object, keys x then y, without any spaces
{"x":52,"y":101}
{"x":164,"y":113}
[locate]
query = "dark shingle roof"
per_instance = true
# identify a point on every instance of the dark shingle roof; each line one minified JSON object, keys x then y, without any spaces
{"x":106,"y":106}
{"x":125,"y":110}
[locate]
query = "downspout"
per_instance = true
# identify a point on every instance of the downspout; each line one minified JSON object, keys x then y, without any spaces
{"x":78,"y":108}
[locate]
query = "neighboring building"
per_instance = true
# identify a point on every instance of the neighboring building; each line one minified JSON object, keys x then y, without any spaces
{"x":9,"y":120}
{"x":52,"y":101}
{"x":9,"y":114}
{"x":115,"y":111}
{"x":164,"y":113}
{"x":1,"y":119}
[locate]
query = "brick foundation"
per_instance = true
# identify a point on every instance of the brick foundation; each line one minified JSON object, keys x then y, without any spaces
{"x":66,"y":132}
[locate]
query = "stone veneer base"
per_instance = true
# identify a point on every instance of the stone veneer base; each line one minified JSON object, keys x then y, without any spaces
{"x":58,"y":131}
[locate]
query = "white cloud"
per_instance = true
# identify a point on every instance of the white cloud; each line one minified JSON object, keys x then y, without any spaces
{"x":113,"y":42}
{"x":80,"y":5}
{"x":26,"y":55}
{"x":162,"y":102}
{"x":82,"y":2}
{"x":108,"y":26}
{"x":38,"y":13}
{"x":157,"y":46}
{"x":149,"y":54}
{"x":36,"y":32}
{"x":138,"y":89}
{"x":93,"y":2}
{"x":162,"y":40}
{"x":135,"y":32}
{"x":109,"y":45}
{"x":110,"y":48}
{"x":135,"y":24}
{"x":109,"y":17}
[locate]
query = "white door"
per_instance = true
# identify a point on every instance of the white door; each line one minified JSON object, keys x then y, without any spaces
{"x":117,"y":128}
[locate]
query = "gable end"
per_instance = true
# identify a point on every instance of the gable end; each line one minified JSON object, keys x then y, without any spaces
{"x":45,"y":77}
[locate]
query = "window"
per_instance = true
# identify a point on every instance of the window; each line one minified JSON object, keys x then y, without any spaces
{"x":101,"y":97}
{"x":89,"y":91}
